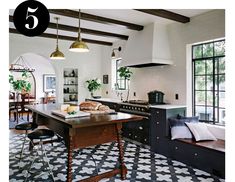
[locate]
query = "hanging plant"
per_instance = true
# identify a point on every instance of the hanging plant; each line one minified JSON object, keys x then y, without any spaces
{"x":21,"y":85}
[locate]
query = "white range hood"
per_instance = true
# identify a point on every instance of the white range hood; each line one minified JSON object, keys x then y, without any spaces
{"x":149,"y":47}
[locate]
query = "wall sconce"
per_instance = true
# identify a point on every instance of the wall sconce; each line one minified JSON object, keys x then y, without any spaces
{"x":113,"y":52}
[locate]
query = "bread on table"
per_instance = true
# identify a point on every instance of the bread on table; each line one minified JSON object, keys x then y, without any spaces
{"x":89,"y":105}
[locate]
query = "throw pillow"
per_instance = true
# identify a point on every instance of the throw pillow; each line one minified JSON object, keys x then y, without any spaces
{"x":200,"y":131}
{"x":179,"y":129}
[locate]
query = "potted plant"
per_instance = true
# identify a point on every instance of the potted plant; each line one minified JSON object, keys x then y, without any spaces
{"x":21,"y":85}
{"x":93,"y":85}
{"x":125,"y":73}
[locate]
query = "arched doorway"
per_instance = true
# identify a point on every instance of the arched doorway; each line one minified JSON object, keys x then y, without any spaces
{"x":42,"y":67}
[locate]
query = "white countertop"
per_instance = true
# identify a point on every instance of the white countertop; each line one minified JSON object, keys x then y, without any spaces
{"x":167,"y":106}
{"x":163,"y":106}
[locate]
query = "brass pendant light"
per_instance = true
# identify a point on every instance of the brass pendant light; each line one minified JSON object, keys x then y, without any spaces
{"x":57,"y":54}
{"x":79,"y":45}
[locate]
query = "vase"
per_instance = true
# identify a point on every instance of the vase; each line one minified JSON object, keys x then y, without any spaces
{"x":92,"y":94}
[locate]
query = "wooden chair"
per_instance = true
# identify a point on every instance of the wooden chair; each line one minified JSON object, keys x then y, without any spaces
{"x":21,"y":101}
{"x":12,"y":105}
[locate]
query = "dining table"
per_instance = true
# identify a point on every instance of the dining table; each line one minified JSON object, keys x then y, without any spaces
{"x":82,"y":132}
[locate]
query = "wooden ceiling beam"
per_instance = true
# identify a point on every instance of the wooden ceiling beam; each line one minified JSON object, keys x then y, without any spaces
{"x":95,"y":18}
{"x":83,"y":30}
{"x":166,"y":14}
{"x":62,"y":37}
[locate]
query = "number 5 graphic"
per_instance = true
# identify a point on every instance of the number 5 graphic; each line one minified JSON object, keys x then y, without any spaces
{"x":35,"y":19}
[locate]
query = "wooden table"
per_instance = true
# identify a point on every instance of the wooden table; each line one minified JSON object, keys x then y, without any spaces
{"x":85,"y":131}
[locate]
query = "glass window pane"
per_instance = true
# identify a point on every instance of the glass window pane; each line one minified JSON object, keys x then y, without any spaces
{"x":209,"y":66}
{"x":222,"y":99}
{"x":219,"y":48}
{"x":200,"y":97}
{"x":220,"y":82}
{"x":200,"y":82}
{"x":199,"y":110}
{"x":209,"y":98}
{"x":221,"y":119}
{"x":209,"y":82}
{"x":221,"y":65}
{"x":200,"y":68}
{"x":197,"y":51}
{"x":209,"y":114}
{"x":208,"y":50}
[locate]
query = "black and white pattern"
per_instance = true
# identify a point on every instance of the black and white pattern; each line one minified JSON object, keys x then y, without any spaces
{"x":142,"y":164}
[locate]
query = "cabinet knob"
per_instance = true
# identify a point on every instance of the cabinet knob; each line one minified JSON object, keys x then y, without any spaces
{"x":135,"y":136}
{"x":141,"y":128}
{"x":157,"y":112}
{"x":157,"y":138}
{"x":157,"y":122}
{"x":176,"y":148}
{"x":145,"y":139}
{"x":129,"y":134}
{"x":195,"y":154}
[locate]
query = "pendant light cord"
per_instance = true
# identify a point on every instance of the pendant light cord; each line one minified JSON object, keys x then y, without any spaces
{"x":79,"y":29}
{"x":57,"y":36}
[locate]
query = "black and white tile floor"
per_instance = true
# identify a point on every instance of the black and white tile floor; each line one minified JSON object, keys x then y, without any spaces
{"x":142,"y":165}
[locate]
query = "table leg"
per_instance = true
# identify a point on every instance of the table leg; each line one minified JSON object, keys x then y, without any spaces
{"x":121,"y":155}
{"x":70,"y":158}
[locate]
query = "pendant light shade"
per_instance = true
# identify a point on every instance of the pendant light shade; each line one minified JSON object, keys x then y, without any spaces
{"x":57,"y":54}
{"x":79,"y":45}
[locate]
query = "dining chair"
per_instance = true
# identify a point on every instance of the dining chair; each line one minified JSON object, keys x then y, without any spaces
{"x":22,"y":100}
{"x":12,"y":105}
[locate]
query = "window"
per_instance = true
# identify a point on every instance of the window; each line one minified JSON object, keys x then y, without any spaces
{"x":209,"y":81}
{"x":118,"y":82}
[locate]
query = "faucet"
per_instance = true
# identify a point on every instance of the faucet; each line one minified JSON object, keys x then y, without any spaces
{"x":120,"y":94}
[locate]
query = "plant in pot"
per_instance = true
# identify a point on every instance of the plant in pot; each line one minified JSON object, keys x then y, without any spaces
{"x":21,"y":85}
{"x":125,"y":73}
{"x":93,"y":85}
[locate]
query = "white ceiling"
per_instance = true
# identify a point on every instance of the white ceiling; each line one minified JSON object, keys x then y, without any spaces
{"x":127,"y":15}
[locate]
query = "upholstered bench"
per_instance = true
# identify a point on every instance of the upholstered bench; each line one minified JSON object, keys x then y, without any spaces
{"x":206,"y":155}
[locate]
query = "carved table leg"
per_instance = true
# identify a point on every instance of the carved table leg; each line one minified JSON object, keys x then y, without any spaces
{"x":121,"y":155}
{"x":70,"y":157}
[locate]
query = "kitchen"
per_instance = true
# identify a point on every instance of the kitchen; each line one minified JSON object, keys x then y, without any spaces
{"x":159,"y":57}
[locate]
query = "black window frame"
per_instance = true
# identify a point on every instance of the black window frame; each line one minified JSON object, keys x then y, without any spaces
{"x":118,"y":79}
{"x":215,"y":90}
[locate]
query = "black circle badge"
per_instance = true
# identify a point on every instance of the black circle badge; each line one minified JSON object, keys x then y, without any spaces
{"x":31,"y":18}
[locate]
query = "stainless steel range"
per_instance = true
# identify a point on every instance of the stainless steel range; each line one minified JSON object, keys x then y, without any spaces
{"x":140,"y":107}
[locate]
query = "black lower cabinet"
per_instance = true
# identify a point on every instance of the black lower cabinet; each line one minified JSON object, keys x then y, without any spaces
{"x":137,"y":131}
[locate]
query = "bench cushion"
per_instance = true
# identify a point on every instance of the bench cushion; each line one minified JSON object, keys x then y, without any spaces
{"x":218,"y":145}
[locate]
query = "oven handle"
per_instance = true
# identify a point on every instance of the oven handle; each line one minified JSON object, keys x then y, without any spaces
{"x":147,"y":115}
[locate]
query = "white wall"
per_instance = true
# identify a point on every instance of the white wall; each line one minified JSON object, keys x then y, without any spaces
{"x":88,"y":64}
{"x":172,"y":79}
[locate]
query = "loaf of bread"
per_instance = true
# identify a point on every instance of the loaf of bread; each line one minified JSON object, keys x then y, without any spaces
{"x":89,"y":105}
{"x":103,"y":108}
